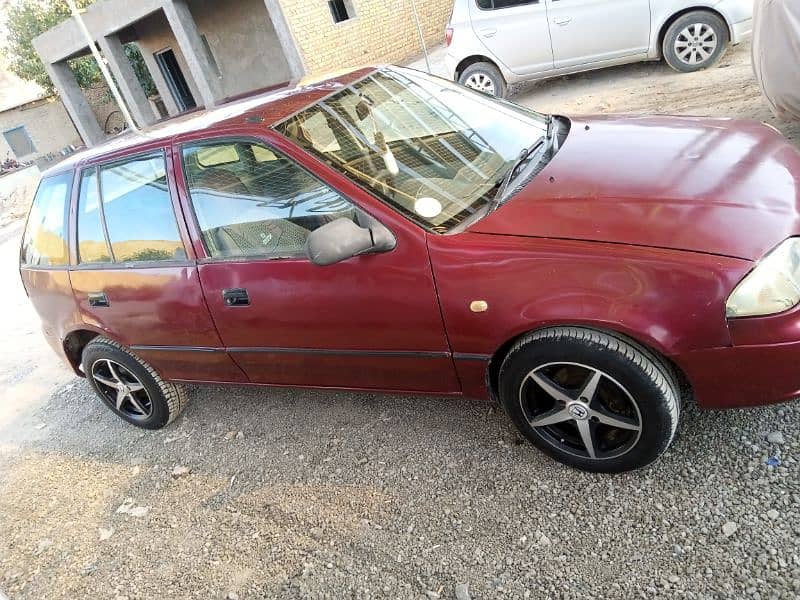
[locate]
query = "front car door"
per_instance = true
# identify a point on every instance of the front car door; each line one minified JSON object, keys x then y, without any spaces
{"x":588,"y":31}
{"x":516,"y":32}
{"x":372,"y":321}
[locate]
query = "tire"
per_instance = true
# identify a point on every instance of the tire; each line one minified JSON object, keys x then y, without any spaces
{"x":150,"y":401}
{"x":565,"y":385}
{"x":484,"y":77}
{"x":708,"y":31}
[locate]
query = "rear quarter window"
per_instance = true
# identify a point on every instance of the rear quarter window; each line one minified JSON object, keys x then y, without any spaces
{"x":44,"y":243}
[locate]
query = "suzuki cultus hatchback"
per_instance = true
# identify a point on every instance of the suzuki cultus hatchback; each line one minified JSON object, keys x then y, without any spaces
{"x":388,"y":230}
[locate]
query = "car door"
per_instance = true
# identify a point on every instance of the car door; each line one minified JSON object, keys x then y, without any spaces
{"x":372,"y":321}
{"x":516,"y":32}
{"x":587,"y":31}
{"x":133,"y":276}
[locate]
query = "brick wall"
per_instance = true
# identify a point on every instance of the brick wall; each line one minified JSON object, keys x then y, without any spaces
{"x":380,"y":31}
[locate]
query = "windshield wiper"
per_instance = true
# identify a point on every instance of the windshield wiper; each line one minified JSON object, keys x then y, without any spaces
{"x":523,"y":156}
{"x":548,"y":144}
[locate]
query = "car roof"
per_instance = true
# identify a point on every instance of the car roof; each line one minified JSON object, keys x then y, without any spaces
{"x":266,"y":108}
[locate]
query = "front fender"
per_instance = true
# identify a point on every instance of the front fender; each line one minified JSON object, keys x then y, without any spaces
{"x":670,"y":301}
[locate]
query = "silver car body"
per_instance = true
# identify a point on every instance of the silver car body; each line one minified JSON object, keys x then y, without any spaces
{"x":548,"y":38}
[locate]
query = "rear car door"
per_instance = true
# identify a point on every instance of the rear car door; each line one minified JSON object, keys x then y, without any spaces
{"x":516,"y":32}
{"x":372,"y":321}
{"x":587,"y":31}
{"x":134,"y":276}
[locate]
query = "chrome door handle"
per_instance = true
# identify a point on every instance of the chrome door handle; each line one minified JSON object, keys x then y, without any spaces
{"x":488,"y":32}
{"x":562,"y":20}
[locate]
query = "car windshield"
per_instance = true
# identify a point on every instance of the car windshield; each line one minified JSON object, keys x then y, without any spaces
{"x":432,"y":150}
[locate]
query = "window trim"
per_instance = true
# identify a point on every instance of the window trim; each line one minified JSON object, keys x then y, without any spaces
{"x":67,"y":205}
{"x":247,"y":139}
{"x":493,"y":9}
{"x":124,"y":265}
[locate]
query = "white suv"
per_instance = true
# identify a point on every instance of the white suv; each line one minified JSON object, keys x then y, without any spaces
{"x":492,"y":43}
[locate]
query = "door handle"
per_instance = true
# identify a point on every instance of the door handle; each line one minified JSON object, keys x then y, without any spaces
{"x":489,"y":32}
{"x":236,"y":297}
{"x":562,"y":20}
{"x":98,"y":299}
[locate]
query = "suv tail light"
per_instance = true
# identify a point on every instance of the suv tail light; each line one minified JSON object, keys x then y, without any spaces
{"x":448,"y":36}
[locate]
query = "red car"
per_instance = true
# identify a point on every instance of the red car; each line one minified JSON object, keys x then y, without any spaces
{"x":389,"y":230}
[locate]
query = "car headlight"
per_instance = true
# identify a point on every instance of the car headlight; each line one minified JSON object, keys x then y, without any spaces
{"x":773,"y":286}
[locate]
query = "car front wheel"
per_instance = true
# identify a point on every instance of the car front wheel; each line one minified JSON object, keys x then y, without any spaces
{"x":590,"y":399}
{"x":130,"y":387}
{"x":695,"y":41}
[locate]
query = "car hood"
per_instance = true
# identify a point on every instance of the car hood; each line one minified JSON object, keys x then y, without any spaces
{"x":716,"y":186}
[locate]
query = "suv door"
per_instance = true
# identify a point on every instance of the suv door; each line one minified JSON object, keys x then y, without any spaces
{"x":587,"y":31}
{"x":369,"y":322}
{"x":132,"y":275}
{"x":516,"y":32}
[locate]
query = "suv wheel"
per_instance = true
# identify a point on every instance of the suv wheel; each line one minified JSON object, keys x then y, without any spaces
{"x":695,"y":41}
{"x":484,"y":77}
{"x":130,"y":387}
{"x":590,"y":400}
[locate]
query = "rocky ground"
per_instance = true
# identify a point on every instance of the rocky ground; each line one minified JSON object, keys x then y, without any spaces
{"x":273,"y":493}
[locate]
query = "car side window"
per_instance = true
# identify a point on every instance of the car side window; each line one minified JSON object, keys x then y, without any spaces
{"x":138,"y":213}
{"x":45,"y":241}
{"x":496,"y":4}
{"x":260,"y":203}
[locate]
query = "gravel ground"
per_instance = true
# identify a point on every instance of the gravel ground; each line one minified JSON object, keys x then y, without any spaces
{"x":334,"y":495}
{"x":267,"y":493}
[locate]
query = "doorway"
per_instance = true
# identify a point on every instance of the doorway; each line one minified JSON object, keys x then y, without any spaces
{"x":171,"y":70}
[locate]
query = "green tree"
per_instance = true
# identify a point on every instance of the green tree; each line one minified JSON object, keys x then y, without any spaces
{"x":26,"y":19}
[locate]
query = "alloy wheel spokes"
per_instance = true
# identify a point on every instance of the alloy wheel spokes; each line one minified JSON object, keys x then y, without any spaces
{"x":125,"y":391}
{"x":582,"y":408}
{"x":480,"y":82}
{"x":696,"y":43}
{"x":557,"y":415}
{"x":585,"y":428}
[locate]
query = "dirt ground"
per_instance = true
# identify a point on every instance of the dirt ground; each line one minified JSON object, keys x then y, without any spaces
{"x":311,"y":494}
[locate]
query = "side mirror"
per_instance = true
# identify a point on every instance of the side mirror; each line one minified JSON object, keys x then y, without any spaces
{"x":342,"y":239}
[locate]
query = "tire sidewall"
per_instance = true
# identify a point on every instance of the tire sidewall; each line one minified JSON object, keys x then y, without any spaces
{"x":101,"y":350}
{"x":723,"y":38}
{"x":658,"y":424}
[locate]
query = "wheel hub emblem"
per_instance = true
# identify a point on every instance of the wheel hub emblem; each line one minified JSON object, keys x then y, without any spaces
{"x":578,"y":411}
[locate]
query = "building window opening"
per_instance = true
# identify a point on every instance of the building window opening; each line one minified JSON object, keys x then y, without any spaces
{"x":340,"y":11}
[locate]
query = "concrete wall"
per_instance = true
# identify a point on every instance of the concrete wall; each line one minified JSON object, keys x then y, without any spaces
{"x":242,"y":40}
{"x":381,"y":31}
{"x":65,"y":39}
{"x":47,"y":124}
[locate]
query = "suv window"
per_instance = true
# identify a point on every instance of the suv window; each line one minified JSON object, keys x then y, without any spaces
{"x":262,"y":204}
{"x":495,"y":4}
{"x":136,"y":209}
{"x":45,"y":240}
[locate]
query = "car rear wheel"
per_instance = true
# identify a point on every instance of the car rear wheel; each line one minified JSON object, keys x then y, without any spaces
{"x":589,"y":399}
{"x":130,"y":387}
{"x":484,"y":77}
{"x":695,"y":41}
